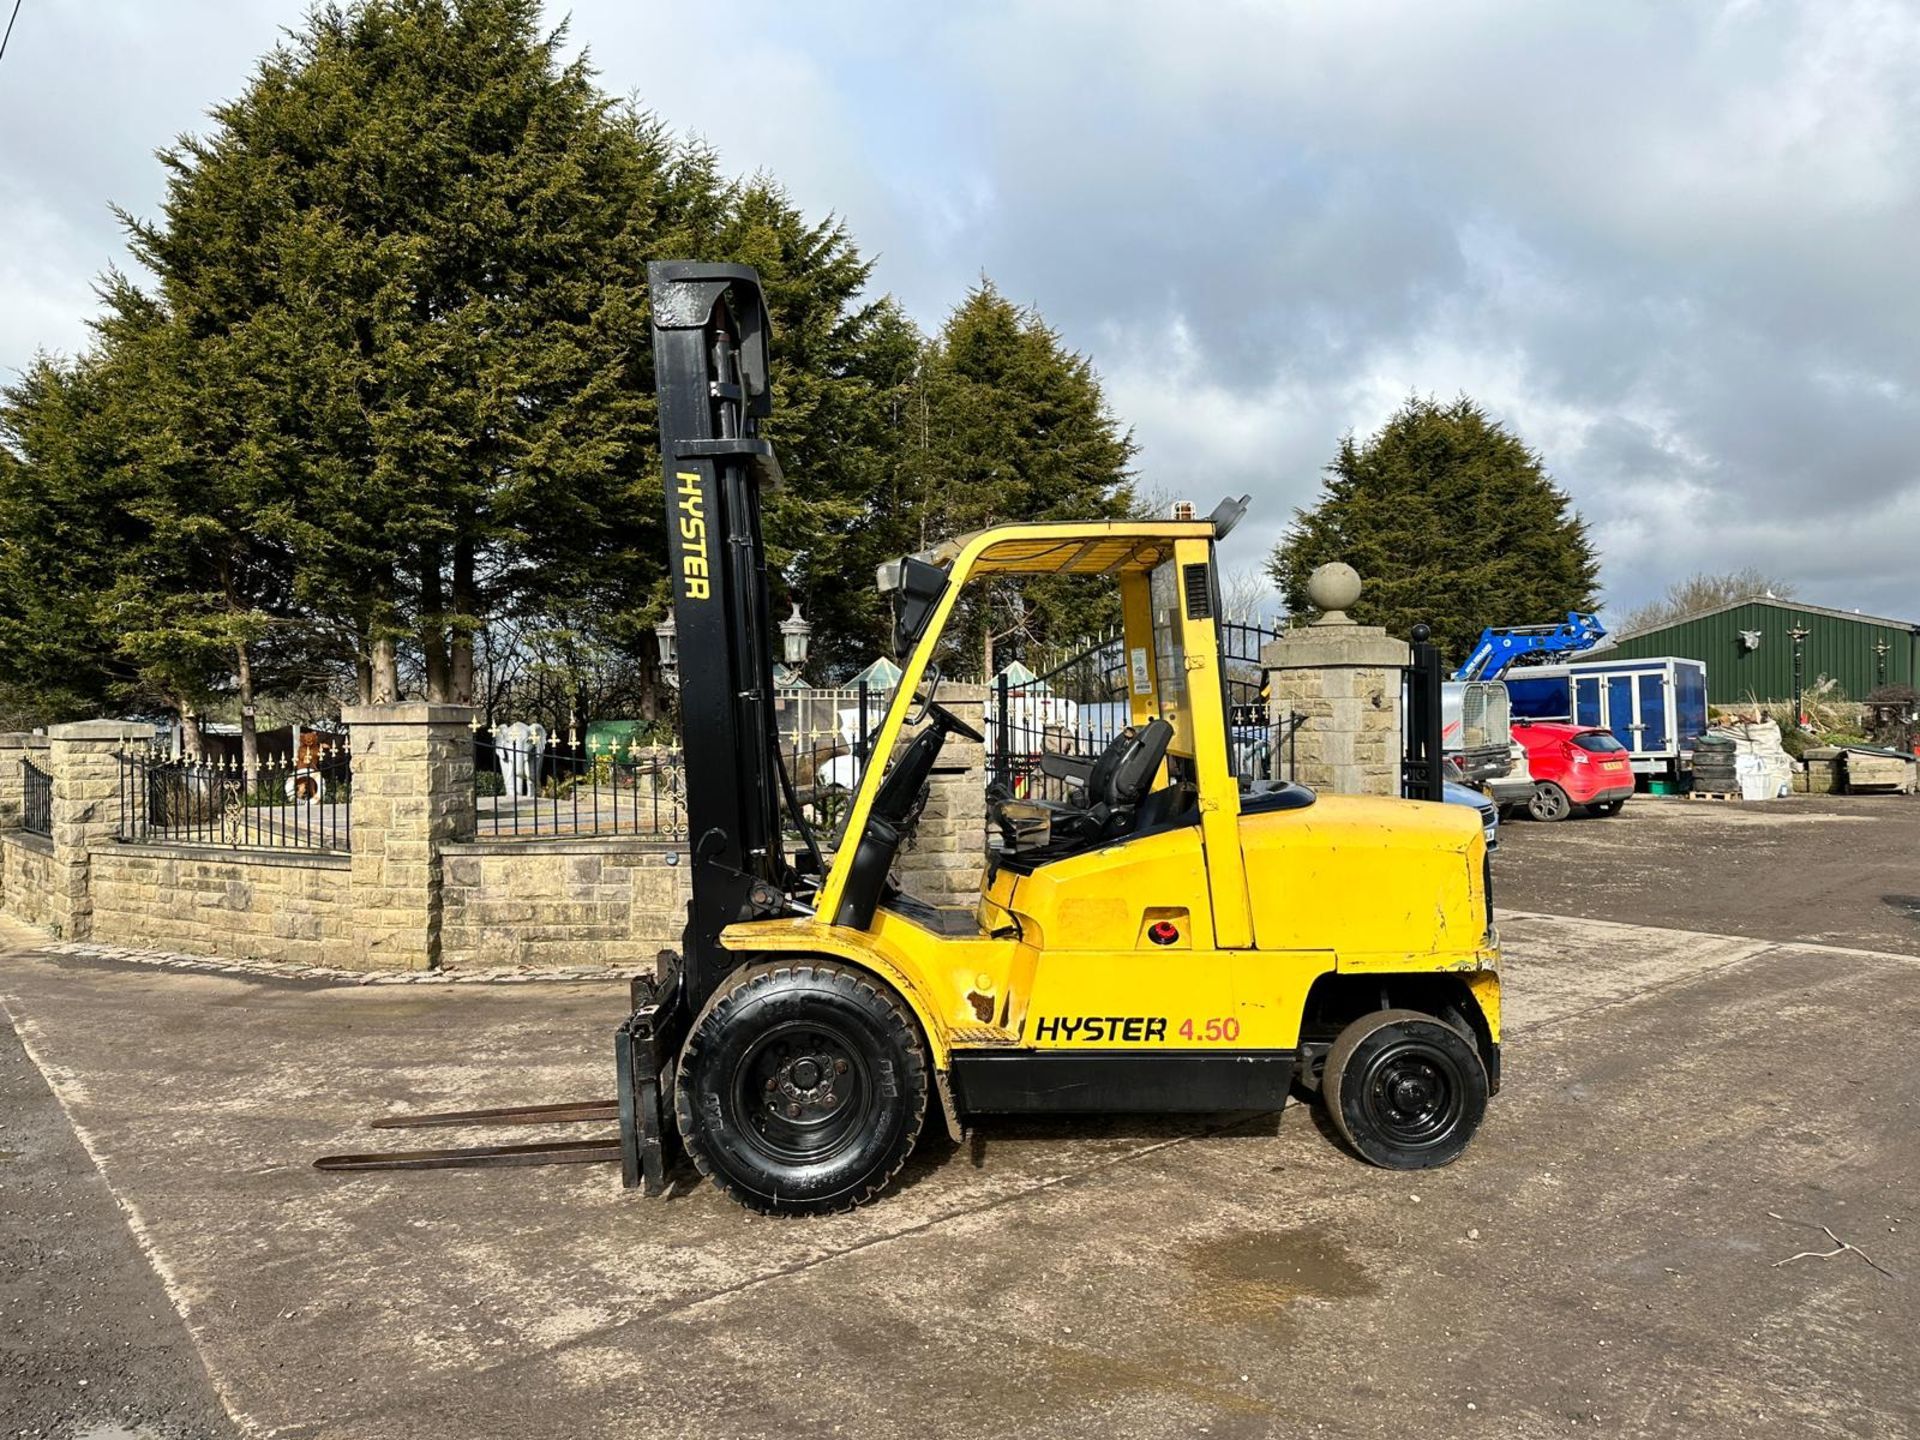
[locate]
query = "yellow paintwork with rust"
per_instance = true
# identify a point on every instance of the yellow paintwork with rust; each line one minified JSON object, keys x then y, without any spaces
{"x":1262,"y":905}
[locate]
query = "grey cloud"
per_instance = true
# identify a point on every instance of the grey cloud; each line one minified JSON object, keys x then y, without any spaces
{"x":1671,"y":245}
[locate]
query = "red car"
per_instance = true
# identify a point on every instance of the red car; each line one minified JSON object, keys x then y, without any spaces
{"x":1574,"y":765}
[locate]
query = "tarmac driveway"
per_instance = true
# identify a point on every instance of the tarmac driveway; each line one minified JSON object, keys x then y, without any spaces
{"x":1682,"y":1114}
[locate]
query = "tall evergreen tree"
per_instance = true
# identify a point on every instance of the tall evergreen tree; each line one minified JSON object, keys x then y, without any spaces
{"x":392,"y":381}
{"x":409,"y":269}
{"x":408,"y":264}
{"x":1005,"y":423}
{"x":64,"y":537}
{"x":1451,"y":520}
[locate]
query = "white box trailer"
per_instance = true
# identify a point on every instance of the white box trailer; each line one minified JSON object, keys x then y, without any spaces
{"x":1656,"y":707}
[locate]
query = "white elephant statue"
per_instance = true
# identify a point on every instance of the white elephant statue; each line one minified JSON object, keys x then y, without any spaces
{"x":518,"y":748}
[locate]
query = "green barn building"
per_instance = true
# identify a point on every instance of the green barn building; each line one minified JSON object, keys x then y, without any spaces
{"x":1750,"y":649}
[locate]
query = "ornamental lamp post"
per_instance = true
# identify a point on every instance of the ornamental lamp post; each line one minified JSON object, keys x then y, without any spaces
{"x":795,"y":636}
{"x":667,"y":633}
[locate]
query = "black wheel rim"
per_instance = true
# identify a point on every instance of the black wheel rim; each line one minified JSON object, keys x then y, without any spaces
{"x":802,"y":1093}
{"x":1413,"y":1095}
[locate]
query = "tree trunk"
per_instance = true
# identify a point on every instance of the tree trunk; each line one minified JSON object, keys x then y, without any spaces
{"x":362,"y":664}
{"x":466,"y":606}
{"x":383,"y":660}
{"x":386,"y":672}
{"x":433,"y":625}
{"x":193,"y":740}
{"x":649,"y":686}
{"x":249,"y":732}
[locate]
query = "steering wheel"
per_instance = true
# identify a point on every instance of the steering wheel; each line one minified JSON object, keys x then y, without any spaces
{"x":947,"y":720}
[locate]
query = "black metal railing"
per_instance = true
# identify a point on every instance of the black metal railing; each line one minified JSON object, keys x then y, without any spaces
{"x":36,"y":813}
{"x":533,"y":790}
{"x":530,"y":785}
{"x":280,"y":804}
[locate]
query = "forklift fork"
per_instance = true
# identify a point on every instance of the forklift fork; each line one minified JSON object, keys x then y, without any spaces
{"x":648,"y":1145}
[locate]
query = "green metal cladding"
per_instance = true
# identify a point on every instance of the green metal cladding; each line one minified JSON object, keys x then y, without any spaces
{"x":1859,"y":651}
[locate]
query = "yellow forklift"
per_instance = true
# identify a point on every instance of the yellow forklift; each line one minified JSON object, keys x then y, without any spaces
{"x":1165,"y":936}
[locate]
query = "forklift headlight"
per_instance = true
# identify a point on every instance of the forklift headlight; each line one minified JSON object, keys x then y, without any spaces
{"x":887,"y":577}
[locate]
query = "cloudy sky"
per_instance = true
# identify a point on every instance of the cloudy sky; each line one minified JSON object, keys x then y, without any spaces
{"x":1674,"y":246}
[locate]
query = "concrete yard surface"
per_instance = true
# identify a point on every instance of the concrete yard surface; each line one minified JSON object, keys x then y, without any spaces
{"x":1837,"y":869}
{"x":1683,"y":1113}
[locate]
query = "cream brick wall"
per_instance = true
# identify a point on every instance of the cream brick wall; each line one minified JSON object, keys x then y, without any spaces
{"x":948,"y":858}
{"x":1346,"y":680}
{"x":26,"y":877}
{"x":617,"y":901}
{"x":243,"y":904}
{"x":412,"y":793}
{"x":417,"y":889}
{"x":17,"y":747}
{"x":83,"y":759}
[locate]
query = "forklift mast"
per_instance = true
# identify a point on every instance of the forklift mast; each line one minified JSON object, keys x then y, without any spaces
{"x":710,"y":335}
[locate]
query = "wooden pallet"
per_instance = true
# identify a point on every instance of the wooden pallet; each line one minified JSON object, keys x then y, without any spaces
{"x":1713,"y":795}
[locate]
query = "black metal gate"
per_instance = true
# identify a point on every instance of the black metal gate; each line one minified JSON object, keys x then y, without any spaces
{"x":1422,"y":766}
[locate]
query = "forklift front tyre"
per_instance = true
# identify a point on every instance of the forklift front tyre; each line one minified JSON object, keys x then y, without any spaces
{"x":1404,"y":1089}
{"x":802,"y":1088}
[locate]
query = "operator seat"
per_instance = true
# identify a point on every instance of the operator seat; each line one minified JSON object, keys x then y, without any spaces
{"x":1119,"y":780}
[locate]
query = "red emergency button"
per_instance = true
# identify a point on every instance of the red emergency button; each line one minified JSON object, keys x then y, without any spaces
{"x":1163,"y":932}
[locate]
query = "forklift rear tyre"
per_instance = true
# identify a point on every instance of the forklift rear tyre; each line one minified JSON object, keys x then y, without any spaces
{"x":802,"y":1088}
{"x":1549,"y":802}
{"x":1404,"y":1089}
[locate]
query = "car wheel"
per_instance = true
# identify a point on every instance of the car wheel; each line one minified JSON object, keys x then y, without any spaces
{"x":802,"y":1088}
{"x":1549,"y":802}
{"x":1404,"y":1089}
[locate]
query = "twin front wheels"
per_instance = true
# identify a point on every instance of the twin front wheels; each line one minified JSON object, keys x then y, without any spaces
{"x":803,"y":1087}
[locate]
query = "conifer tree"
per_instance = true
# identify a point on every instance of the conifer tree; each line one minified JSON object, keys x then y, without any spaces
{"x":407,"y":272}
{"x":1005,"y":423}
{"x":1452,"y":521}
{"x":64,"y":535}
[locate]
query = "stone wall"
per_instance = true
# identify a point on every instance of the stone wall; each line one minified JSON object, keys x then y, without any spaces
{"x":948,"y":859}
{"x":1345,"y":679}
{"x":563,"y":903}
{"x":412,"y":793}
{"x":26,"y":877}
{"x":417,"y":890}
{"x":84,"y":761}
{"x":16,"y":749}
{"x":281,"y":905}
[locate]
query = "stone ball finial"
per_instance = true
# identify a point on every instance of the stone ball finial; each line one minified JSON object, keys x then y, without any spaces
{"x":1333,"y":589}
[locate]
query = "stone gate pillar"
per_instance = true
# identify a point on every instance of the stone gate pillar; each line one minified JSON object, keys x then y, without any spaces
{"x":1345,"y":679}
{"x":412,"y":793}
{"x":16,"y":748}
{"x":949,"y":854}
{"x":83,"y":760}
